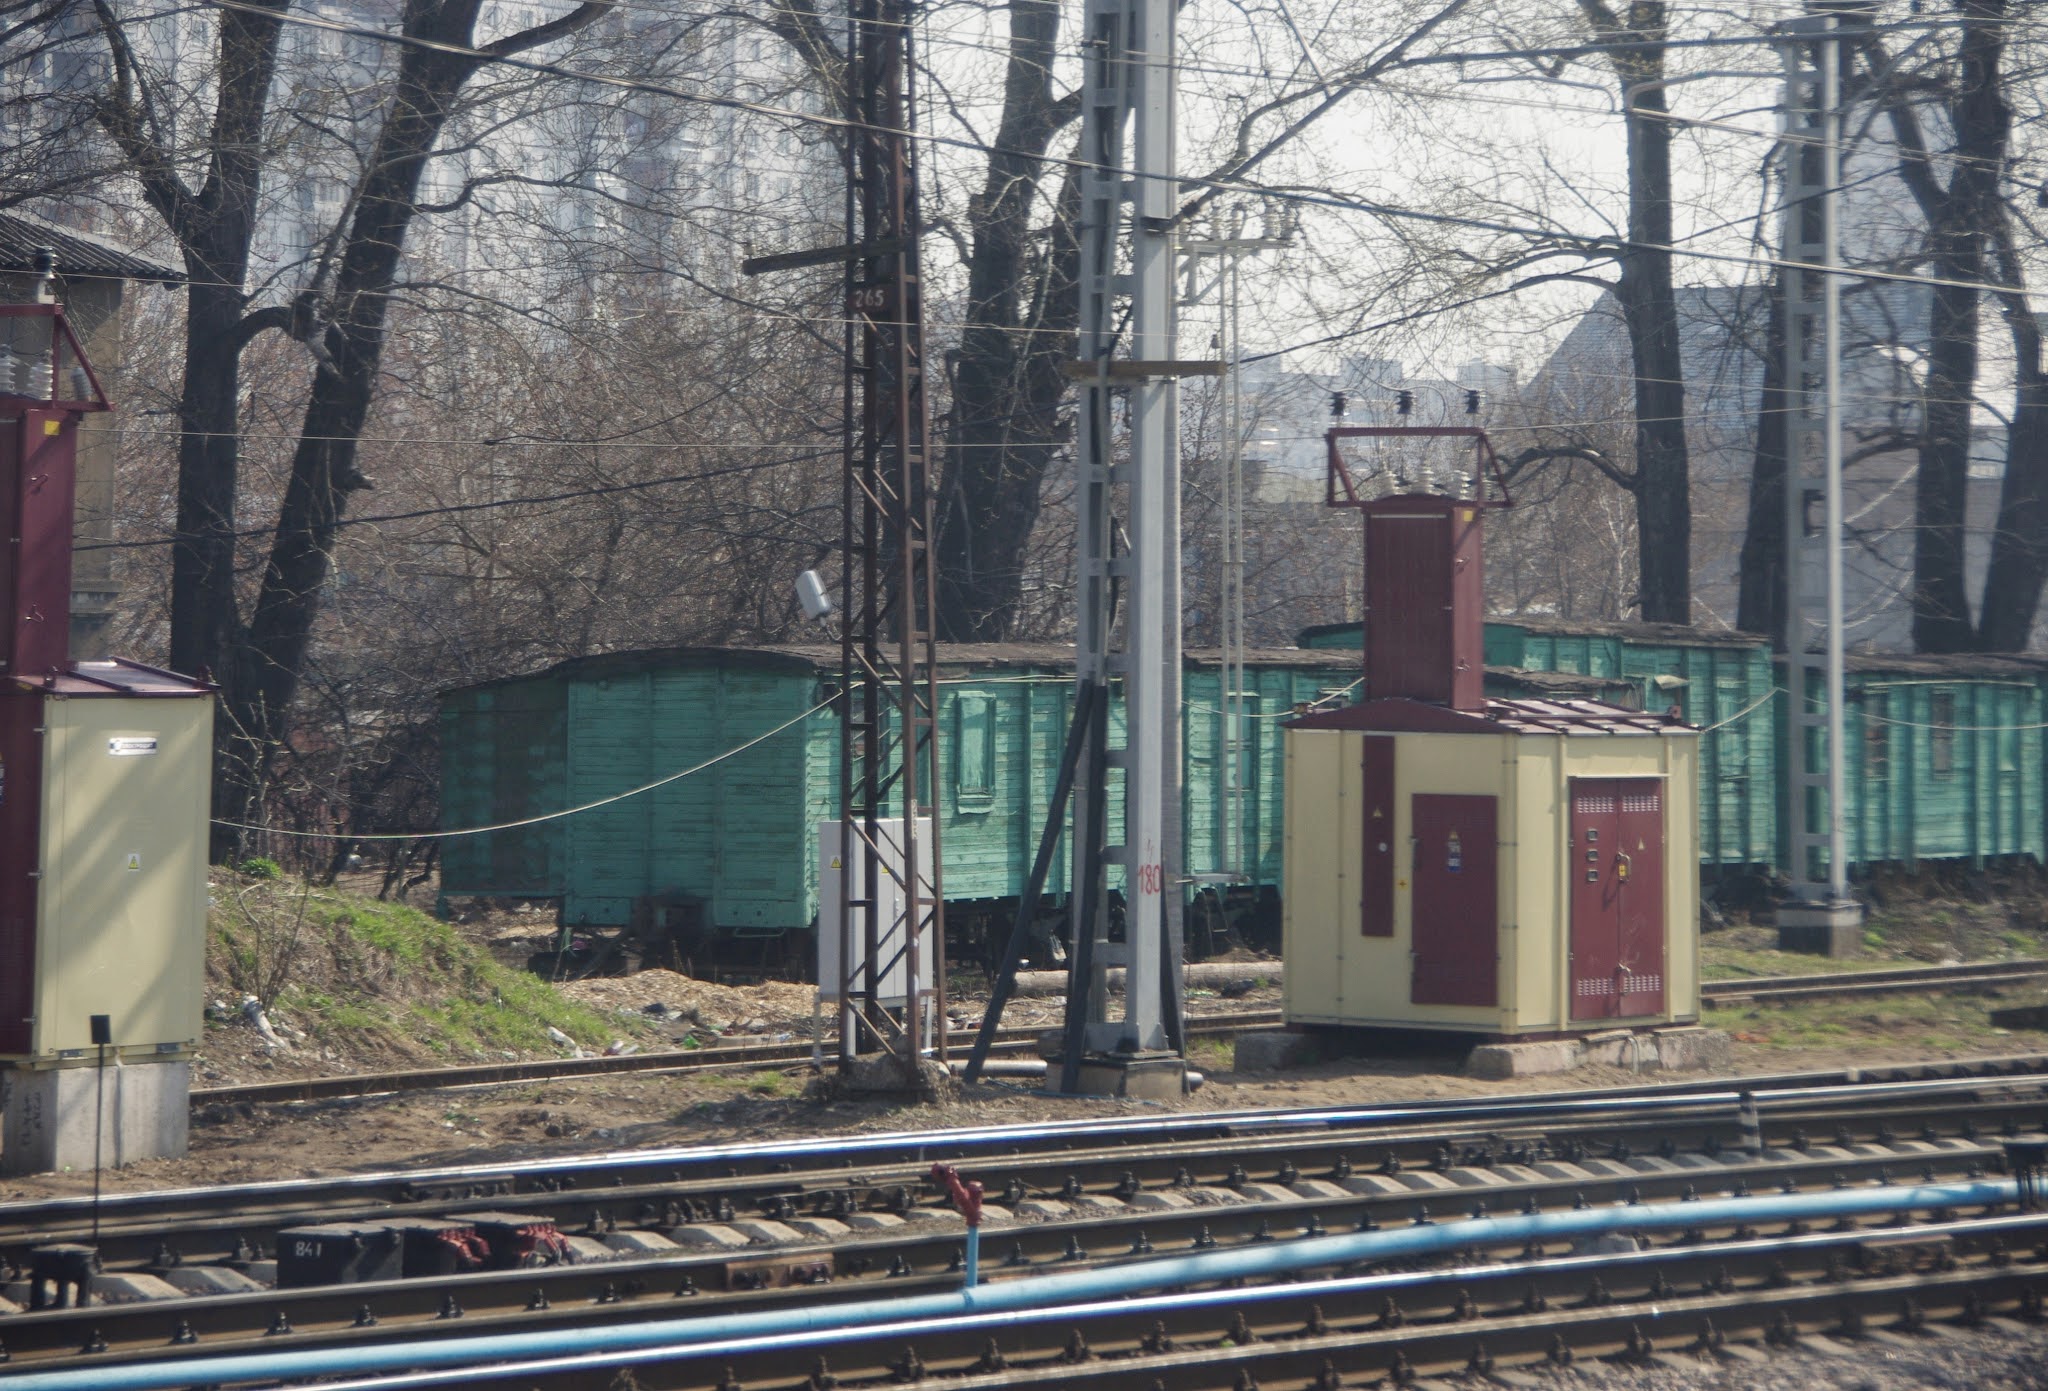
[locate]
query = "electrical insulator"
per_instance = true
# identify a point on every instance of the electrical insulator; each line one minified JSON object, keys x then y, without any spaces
{"x":1404,"y":402}
{"x":1340,"y":404}
{"x":1472,"y":402}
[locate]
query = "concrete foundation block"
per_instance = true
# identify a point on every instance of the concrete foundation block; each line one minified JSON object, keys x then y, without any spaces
{"x":870,"y":1221}
{"x":761,"y":1232}
{"x":209,"y":1280}
{"x":1157,"y":1200}
{"x":1315,"y":1188}
{"x":1821,"y":929}
{"x":707,"y":1236}
{"x":50,"y":1122}
{"x":131,"y":1287}
{"x":1695,"y":1050}
{"x":1272,"y":1050}
{"x":1161,"y":1077}
{"x":1494,"y":1061}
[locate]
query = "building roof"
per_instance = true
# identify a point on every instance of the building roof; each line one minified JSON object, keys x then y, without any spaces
{"x":1571,"y":717}
{"x":79,"y":254}
{"x":117,"y":677}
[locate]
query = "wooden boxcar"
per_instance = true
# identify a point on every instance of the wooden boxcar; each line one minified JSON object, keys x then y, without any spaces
{"x":1945,"y":754}
{"x":729,"y":851}
{"x":1945,"y":758}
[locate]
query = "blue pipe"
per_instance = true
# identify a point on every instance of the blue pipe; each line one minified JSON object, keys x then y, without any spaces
{"x":1343,"y":1290}
{"x":678,"y":1336}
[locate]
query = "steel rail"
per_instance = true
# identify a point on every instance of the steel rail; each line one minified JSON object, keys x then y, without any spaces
{"x":1897,"y":980}
{"x":712,"y":1058}
{"x":1256,"y":1324}
{"x":617,"y":1182}
{"x":916,"y":1256}
{"x":705,"y":1337}
{"x":1021,"y":1038}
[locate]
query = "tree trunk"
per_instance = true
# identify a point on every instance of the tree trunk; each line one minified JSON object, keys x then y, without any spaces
{"x":273,"y":650}
{"x":1649,"y":309}
{"x":1663,"y":478}
{"x":1959,"y":218}
{"x":1760,"y":604}
{"x":1941,"y":607}
{"x":2019,"y":546}
{"x":202,"y":627}
{"x":1007,"y":385}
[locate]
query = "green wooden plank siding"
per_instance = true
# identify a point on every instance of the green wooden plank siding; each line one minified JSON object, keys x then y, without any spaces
{"x":502,"y":759}
{"x":732,"y":835}
{"x":1271,"y":694}
{"x":1943,"y":769}
{"x":740,"y":836}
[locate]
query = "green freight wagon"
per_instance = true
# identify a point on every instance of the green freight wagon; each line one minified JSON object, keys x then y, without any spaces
{"x":1721,"y":682}
{"x":1945,"y":758}
{"x":727,"y":853}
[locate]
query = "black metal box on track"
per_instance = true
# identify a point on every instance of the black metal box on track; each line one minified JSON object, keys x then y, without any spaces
{"x":439,"y":1245}
{"x":517,"y":1240}
{"x":339,"y":1253}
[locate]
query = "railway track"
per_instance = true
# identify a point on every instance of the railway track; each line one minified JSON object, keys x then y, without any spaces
{"x":132,"y":1223}
{"x":1766,"y":989}
{"x":1688,"y":1308}
{"x":1491,"y":1294}
{"x":1898,"y":980}
{"x":815,"y":1231}
{"x":712,"y":1059}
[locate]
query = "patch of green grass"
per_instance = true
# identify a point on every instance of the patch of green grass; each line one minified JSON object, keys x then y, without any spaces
{"x":389,"y":971}
{"x":1735,"y":963}
{"x":1934,"y":1023}
{"x":1212,"y":1055}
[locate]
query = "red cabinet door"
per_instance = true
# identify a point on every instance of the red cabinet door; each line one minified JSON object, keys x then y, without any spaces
{"x":1617,"y":867}
{"x":1456,"y":927}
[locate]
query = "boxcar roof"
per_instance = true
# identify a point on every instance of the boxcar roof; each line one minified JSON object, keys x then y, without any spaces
{"x":1952,"y":666}
{"x":1656,"y":634}
{"x":1661,"y":634}
{"x":822,"y":659}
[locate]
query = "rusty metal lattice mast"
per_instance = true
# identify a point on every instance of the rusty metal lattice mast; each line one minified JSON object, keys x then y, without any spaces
{"x":892,"y":903}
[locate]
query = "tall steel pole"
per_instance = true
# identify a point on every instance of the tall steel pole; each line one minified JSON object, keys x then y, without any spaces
{"x":1823,"y":916}
{"x":1128,"y":198}
{"x":1229,"y":245}
{"x":888,"y":665}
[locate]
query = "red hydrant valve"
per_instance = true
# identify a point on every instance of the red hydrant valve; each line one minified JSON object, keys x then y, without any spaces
{"x":966,"y":1196}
